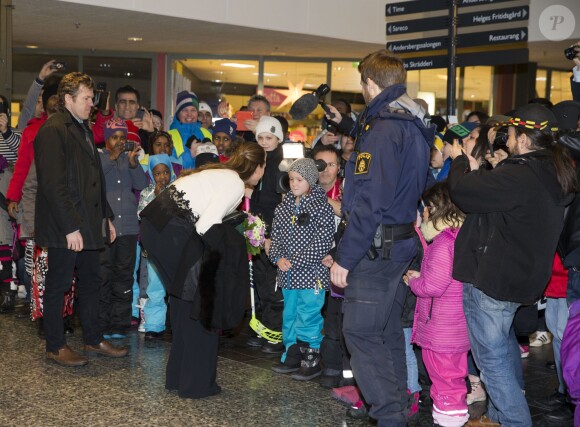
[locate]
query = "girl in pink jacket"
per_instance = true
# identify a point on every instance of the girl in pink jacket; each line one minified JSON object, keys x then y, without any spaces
{"x":439,"y":327}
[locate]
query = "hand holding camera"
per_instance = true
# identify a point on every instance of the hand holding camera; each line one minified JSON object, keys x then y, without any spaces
{"x":573,"y":53}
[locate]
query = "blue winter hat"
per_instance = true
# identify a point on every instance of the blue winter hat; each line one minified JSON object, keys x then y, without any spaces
{"x":225,"y":126}
{"x":156,"y":159}
{"x":185,"y":99}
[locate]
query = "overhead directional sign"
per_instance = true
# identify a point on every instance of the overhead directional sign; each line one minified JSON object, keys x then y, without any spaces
{"x":422,"y":45}
{"x":417,"y":25}
{"x":515,"y":35}
{"x":463,"y":3}
{"x":497,"y":16}
{"x":417,"y":6}
{"x":425,"y":63}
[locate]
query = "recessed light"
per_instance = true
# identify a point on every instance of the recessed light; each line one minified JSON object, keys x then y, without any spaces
{"x":128,"y":74}
{"x":135,"y":39}
{"x":216,"y":81}
{"x":472,"y":96}
{"x":31,"y":46}
{"x":104,"y":65}
{"x":237,"y":65}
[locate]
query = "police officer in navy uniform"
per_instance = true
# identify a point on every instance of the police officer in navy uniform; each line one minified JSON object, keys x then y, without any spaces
{"x":385,"y":177}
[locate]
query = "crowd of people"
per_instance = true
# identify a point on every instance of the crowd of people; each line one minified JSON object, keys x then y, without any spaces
{"x":401,"y":253}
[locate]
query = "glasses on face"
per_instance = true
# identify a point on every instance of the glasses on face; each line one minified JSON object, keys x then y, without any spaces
{"x":332,"y":164}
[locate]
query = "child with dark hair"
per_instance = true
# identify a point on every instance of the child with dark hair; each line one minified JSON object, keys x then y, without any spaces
{"x":439,"y":326}
{"x":151,"y":290}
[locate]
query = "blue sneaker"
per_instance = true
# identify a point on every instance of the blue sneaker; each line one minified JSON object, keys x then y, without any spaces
{"x":118,"y":336}
{"x":107,"y":336}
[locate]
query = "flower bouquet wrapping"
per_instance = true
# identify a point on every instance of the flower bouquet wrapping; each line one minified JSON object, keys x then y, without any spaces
{"x":254,"y":229}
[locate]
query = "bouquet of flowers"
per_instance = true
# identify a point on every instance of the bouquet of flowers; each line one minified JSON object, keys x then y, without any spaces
{"x":254,"y":229}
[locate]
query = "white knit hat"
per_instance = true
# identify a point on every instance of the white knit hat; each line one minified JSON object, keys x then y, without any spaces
{"x":204,"y":106}
{"x":270,"y":125}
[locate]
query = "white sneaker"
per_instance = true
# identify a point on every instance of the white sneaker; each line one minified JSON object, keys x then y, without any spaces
{"x":477,"y":391}
{"x":21,"y":291}
{"x":541,"y":338}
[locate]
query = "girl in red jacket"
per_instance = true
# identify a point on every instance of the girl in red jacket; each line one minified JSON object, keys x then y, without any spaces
{"x":439,"y":326}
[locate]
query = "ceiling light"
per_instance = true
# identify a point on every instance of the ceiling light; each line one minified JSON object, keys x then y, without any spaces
{"x":127,"y":74}
{"x":338,"y":68}
{"x":237,"y":65}
{"x":216,"y":81}
{"x":31,"y":46}
{"x":267,"y":75}
{"x":135,"y":39}
{"x":104,"y":65}
{"x":472,"y":96}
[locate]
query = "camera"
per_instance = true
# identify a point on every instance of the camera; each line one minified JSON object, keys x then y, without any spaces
{"x":101,"y":96}
{"x":571,"y":52}
{"x":58,"y":66}
{"x":500,"y":140}
{"x":3,"y":108}
{"x":291,"y":151}
{"x":129,"y":146}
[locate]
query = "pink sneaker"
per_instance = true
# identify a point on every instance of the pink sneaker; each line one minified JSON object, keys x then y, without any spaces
{"x":348,"y":394}
{"x":524,"y":351}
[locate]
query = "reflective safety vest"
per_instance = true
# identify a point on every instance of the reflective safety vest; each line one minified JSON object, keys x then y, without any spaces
{"x":178,"y":141}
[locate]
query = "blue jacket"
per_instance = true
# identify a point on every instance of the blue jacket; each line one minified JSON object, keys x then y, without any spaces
{"x":121,"y":181}
{"x":384,"y":178}
{"x":303,"y":235}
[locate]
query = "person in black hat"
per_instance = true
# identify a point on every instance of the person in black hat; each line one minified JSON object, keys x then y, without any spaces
{"x":504,"y":251}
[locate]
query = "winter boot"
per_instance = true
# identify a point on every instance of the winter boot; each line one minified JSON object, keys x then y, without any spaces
{"x":292,"y":362}
{"x":310,"y":366}
{"x":7,"y":299}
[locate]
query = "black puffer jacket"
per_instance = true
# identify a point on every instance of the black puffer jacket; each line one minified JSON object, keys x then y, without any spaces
{"x":514,"y":219}
{"x":264,"y":198}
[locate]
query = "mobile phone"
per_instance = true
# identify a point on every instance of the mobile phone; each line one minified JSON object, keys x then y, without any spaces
{"x":140,"y":114}
{"x":129,"y":146}
{"x":241,"y":117}
{"x":3,"y":109}
{"x":58,"y":66}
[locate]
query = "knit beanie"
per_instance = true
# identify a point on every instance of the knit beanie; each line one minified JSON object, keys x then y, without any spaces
{"x":204,"y":106}
{"x":306,"y":168}
{"x":113,"y":126}
{"x":270,"y":125}
{"x":225,"y":126}
{"x":185,"y":99}
{"x":567,"y":113}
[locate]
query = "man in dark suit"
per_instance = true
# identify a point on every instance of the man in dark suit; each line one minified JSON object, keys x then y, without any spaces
{"x":72,"y":219}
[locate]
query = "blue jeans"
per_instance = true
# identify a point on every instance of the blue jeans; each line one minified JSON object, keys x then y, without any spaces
{"x":412,"y":369}
{"x":496,"y":353}
{"x":573,"y":289}
{"x":556,"y":319}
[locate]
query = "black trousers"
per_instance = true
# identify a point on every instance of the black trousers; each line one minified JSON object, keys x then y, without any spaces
{"x":118,"y":265}
{"x":192,"y":364}
{"x":271,"y":299}
{"x":373,"y":303}
{"x":62,"y":263}
{"x":333,"y":350}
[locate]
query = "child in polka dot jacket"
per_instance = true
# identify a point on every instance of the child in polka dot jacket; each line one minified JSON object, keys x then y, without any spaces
{"x":302,"y":233}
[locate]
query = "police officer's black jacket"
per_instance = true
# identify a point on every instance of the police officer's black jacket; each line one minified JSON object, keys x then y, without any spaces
{"x":514,"y":218}
{"x":264,"y":198}
{"x":71,"y":186}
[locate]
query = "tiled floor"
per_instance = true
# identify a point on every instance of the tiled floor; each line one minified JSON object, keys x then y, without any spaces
{"x":130,"y":391}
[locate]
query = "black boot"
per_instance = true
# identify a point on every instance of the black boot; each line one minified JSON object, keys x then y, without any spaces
{"x":292,"y":362}
{"x":40,"y":327}
{"x":310,"y":366}
{"x":7,"y":299}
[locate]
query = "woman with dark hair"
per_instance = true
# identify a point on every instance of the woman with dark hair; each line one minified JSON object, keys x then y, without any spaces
{"x":190,"y":237}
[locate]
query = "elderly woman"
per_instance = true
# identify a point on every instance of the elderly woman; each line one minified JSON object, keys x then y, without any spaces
{"x":202,"y":260}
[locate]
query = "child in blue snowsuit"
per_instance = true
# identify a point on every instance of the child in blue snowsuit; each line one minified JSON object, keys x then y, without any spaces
{"x":302,"y":234}
{"x":155,"y":309}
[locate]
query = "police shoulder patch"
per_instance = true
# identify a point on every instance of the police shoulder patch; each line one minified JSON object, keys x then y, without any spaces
{"x":363,"y":163}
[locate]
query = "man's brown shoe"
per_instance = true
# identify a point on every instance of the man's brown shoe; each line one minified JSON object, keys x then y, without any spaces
{"x":66,"y":357}
{"x":482,"y":421}
{"x":107,"y":349}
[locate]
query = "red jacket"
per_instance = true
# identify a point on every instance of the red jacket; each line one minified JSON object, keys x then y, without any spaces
{"x":25,"y":158}
{"x":559,"y":281}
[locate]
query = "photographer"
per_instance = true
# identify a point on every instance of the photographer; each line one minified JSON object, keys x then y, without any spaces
{"x":123,"y":176}
{"x":505,"y":248}
{"x":575,"y":78}
{"x":32,"y":107}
